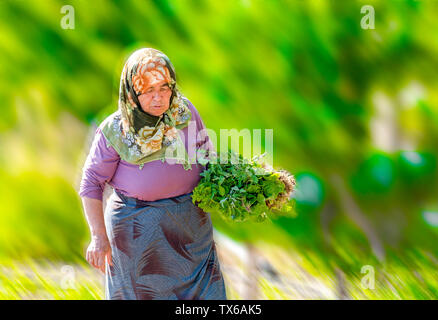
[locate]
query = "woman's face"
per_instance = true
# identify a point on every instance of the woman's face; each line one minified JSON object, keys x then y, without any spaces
{"x":156,"y":98}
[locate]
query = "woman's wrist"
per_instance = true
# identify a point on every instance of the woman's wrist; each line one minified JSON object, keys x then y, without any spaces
{"x":98,"y":233}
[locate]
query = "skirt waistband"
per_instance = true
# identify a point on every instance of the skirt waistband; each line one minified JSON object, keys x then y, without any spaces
{"x":157,"y":203}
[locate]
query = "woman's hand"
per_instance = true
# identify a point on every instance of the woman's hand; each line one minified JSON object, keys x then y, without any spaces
{"x":99,"y":249}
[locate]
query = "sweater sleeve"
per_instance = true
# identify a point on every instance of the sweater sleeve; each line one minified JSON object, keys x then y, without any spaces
{"x":99,"y":167}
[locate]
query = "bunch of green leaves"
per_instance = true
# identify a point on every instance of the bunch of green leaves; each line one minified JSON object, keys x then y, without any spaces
{"x":239,"y":189}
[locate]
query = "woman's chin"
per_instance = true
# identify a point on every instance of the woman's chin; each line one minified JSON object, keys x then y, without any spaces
{"x":156,"y":111}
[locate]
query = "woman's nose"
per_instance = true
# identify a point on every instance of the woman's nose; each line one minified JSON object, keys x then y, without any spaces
{"x":156,"y":95}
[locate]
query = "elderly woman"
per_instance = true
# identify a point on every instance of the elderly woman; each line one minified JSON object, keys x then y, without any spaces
{"x":151,"y":242}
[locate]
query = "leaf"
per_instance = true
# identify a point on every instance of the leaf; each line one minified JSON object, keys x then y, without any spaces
{"x":253,"y":188}
{"x":237,"y":191}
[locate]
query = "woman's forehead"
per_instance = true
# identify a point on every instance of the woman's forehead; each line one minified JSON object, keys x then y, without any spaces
{"x":156,"y":83}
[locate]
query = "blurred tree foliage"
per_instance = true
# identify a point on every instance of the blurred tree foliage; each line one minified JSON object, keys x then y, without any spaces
{"x":354,"y":111}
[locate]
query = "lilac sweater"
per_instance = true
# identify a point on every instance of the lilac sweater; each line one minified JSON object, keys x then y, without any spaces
{"x":156,"y":180}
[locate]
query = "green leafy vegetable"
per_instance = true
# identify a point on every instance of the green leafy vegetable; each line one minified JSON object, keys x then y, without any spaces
{"x":240,"y":189}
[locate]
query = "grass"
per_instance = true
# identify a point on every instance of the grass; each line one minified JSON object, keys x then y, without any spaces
{"x":36,"y":280}
{"x":411,"y":277}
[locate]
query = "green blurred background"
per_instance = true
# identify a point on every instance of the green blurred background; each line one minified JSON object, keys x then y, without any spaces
{"x":354,"y":113}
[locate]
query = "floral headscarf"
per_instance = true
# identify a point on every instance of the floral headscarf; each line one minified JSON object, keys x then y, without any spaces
{"x":140,"y":137}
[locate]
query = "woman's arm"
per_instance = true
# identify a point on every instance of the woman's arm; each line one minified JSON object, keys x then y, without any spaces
{"x":99,"y":247}
{"x":99,"y":168}
{"x":94,"y":215}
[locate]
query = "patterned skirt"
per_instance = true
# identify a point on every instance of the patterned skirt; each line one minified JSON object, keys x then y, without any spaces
{"x":161,"y":250}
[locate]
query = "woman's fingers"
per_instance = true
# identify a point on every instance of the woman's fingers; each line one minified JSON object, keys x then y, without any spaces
{"x":109,"y":257}
{"x":102,"y":267}
{"x":89,"y":259}
{"x":96,"y":254}
{"x":93,"y":258}
{"x":99,"y":260}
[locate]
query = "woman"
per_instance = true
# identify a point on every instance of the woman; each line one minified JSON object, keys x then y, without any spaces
{"x":151,"y":242}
